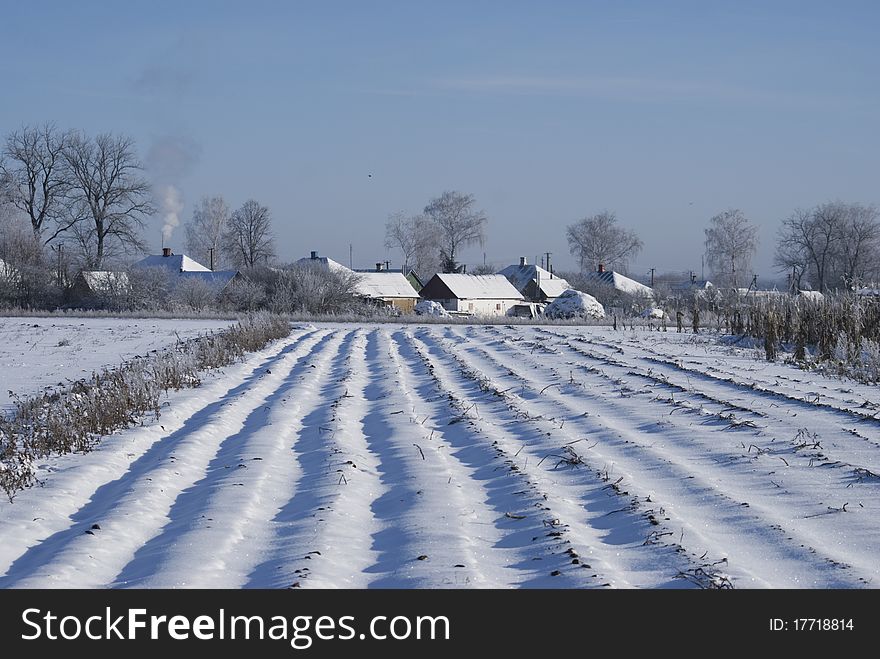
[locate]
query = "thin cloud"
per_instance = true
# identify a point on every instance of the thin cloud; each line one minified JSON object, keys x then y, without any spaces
{"x":645,"y":90}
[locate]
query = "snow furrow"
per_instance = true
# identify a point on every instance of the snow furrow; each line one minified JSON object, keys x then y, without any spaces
{"x":230,"y":508}
{"x":580,"y":514}
{"x":122,"y":515}
{"x":627,"y":437}
{"x":71,"y":483}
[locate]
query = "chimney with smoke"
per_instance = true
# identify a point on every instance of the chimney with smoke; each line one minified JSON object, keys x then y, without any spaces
{"x":166,"y":252}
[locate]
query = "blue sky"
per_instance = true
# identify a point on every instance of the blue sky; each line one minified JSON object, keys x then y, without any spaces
{"x":664,"y":112}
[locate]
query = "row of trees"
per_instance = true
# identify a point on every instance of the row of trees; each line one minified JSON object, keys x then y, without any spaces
{"x":86,"y":191}
{"x":230,"y":239}
{"x":833,"y":245}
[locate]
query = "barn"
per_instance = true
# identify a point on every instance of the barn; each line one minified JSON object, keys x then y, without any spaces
{"x":479,"y":295}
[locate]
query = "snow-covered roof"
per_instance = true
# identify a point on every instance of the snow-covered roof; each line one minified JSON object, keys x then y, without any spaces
{"x":479,"y":287}
{"x":813,"y":296}
{"x":384,"y":285}
{"x":520,"y":276}
{"x":323,"y":261}
{"x":174,"y":263}
{"x":622,"y":283}
{"x":218,"y":279}
{"x":105,"y":280}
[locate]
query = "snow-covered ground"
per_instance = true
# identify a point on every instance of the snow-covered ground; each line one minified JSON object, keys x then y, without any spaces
{"x":45,"y":352}
{"x":472,"y":456}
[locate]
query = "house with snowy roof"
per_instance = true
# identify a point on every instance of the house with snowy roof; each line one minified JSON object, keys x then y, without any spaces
{"x":90,"y":286}
{"x":621,"y":283}
{"x":479,"y":295}
{"x":535,"y":283}
{"x":387,"y":288}
{"x":322,"y":262}
{"x":181,"y":268}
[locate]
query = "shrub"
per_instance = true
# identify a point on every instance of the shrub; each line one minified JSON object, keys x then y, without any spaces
{"x":74,"y":419}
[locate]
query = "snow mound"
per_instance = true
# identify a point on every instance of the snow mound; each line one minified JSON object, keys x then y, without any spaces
{"x":657,"y":313}
{"x":574,"y":304}
{"x":430,"y":308}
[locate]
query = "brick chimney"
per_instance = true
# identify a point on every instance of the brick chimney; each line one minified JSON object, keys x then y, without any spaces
{"x":522,"y":261}
{"x":601,"y":267}
{"x":379,"y":267}
{"x":166,"y":251}
{"x":314,"y":255}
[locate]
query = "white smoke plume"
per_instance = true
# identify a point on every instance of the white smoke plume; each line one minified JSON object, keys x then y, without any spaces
{"x":170,"y":159}
{"x":172,"y":206}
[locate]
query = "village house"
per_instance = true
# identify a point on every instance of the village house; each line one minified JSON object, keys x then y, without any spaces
{"x":182,"y":268}
{"x":382,"y":286}
{"x":535,"y":283}
{"x":622,"y":284}
{"x":479,"y":295}
{"x":90,"y":286}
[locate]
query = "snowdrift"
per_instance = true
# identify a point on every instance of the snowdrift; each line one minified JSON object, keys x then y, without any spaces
{"x":574,"y":304}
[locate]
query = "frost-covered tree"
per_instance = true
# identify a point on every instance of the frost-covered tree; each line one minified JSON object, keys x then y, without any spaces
{"x":459,"y":223}
{"x":417,"y":238}
{"x":248,"y":238}
{"x":731,"y":243}
{"x":204,"y":231}
{"x":598,"y":239}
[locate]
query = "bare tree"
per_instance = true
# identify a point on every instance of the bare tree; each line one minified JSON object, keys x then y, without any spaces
{"x":598,"y":239}
{"x":459,"y":223}
{"x":731,"y":242}
{"x":833,"y":244}
{"x":807,"y":243}
{"x":859,"y":253}
{"x":35,"y":179}
{"x":248,"y":236}
{"x":111,"y":196}
{"x":417,"y":238}
{"x":204,"y":231}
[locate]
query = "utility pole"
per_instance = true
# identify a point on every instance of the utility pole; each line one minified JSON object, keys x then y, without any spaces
{"x":388,"y":265}
{"x":211,"y":256}
{"x":652,"y":277}
{"x":350,"y":256}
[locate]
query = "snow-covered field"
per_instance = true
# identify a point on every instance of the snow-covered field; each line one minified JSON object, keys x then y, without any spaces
{"x":45,"y":352}
{"x":472,"y":456}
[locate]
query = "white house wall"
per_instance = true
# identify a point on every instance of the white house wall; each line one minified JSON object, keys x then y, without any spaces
{"x":479,"y":307}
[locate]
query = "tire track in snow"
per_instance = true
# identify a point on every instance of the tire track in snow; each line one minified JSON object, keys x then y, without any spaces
{"x":230,"y":507}
{"x":132,"y":508}
{"x":698,"y":506}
